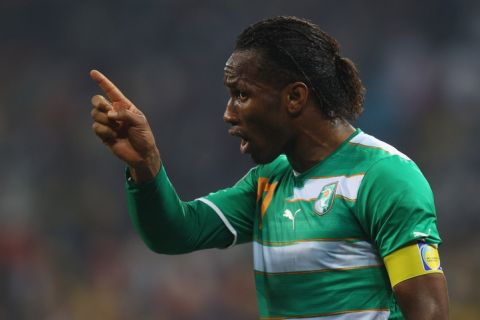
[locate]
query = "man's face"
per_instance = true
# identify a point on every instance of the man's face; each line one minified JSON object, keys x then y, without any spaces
{"x":254,"y":109}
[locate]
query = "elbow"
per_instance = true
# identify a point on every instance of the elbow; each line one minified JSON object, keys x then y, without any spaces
{"x":169,"y":247}
{"x":168,"y":250}
{"x":170,"y":236}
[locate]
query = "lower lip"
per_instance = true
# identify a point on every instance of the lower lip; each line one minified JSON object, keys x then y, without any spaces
{"x":244,"y":146}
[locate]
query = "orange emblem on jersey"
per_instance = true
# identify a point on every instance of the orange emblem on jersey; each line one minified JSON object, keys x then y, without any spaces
{"x":269,"y":189}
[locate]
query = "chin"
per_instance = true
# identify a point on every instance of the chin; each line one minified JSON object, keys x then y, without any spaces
{"x":263,"y":158}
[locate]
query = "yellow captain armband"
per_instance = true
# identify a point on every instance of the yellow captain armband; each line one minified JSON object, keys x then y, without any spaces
{"x":412,"y":261}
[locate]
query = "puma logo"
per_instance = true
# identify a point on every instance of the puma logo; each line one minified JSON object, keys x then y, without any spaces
{"x":288,"y":214}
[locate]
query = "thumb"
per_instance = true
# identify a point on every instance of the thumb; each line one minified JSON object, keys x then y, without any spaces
{"x":127,"y":116}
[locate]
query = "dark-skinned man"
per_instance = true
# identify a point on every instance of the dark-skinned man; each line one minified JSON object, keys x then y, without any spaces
{"x":343,"y":225}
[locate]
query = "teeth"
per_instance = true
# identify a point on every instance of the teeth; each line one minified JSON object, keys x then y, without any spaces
{"x":243,"y":145}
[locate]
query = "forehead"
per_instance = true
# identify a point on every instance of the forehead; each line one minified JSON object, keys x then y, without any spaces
{"x":242,"y":65}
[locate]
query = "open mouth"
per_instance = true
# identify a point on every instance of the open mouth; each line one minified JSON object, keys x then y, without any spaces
{"x":244,"y":142}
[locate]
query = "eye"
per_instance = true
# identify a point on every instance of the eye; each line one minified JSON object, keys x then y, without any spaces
{"x":242,"y":95}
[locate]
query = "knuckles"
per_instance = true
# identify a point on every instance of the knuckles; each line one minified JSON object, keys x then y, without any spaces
{"x":94,"y":113}
{"x":99,"y":102}
{"x":95,"y":127}
{"x":103,"y":132}
{"x":96,"y":99}
{"x":102,"y":118}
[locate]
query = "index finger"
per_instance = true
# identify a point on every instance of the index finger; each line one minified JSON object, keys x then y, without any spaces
{"x":112,"y":92}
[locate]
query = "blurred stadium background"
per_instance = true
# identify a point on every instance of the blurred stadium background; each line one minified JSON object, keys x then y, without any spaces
{"x":67,"y":249}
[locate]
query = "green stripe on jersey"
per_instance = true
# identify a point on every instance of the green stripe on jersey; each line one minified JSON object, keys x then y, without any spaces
{"x":295,"y":295}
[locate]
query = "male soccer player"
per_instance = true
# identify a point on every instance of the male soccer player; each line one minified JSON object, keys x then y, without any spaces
{"x":343,"y":225}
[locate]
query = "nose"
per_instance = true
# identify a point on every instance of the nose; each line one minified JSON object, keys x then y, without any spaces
{"x":229,"y":115}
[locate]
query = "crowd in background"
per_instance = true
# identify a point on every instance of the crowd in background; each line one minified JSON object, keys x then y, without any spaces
{"x":67,"y":248}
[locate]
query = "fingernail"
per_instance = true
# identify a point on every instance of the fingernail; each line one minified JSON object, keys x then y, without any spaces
{"x":112,"y":113}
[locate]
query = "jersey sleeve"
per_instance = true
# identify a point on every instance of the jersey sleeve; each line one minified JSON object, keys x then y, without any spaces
{"x":236,"y":206}
{"x":169,"y":225}
{"x":395,"y":205}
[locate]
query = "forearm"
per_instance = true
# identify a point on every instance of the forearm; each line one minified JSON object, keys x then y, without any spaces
{"x":170,"y":226}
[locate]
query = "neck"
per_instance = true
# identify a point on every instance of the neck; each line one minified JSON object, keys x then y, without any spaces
{"x":314,"y":142}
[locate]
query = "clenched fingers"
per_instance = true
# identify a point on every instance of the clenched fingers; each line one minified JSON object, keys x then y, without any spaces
{"x":102,"y":118}
{"x":105,"y":133}
{"x":101,"y":107}
{"x":128,"y":117}
{"x":100,"y":103}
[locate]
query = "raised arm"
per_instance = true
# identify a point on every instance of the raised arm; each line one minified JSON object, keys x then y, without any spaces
{"x":165,"y":222}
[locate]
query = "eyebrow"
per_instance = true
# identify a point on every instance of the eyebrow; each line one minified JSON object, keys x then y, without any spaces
{"x":230,"y":78}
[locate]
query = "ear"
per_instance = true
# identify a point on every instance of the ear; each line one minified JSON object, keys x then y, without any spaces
{"x":295,"y":96}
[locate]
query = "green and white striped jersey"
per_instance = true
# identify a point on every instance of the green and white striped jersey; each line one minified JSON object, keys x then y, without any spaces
{"x":319,"y":237}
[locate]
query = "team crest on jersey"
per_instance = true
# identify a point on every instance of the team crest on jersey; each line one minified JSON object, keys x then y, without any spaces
{"x":325,"y":199}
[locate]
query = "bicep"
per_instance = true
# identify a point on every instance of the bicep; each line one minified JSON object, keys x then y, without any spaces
{"x":423,"y":297}
{"x":418,"y":282}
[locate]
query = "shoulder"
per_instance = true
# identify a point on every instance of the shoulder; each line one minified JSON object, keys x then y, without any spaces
{"x":373,"y":149}
{"x":385,"y":167}
{"x":372,"y":155}
{"x":395,"y":203}
{"x":389,"y":175}
{"x":382,"y":159}
{"x":362,"y":152}
{"x":395,"y":173}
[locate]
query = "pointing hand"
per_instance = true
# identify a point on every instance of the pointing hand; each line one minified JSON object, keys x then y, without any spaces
{"x":124,"y":129}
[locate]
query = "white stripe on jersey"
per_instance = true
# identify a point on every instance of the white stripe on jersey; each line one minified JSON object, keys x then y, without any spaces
{"x":314,"y":256}
{"x":370,"y":141}
{"x":347,"y":187}
{"x":357,"y":315}
{"x":223,"y":218}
